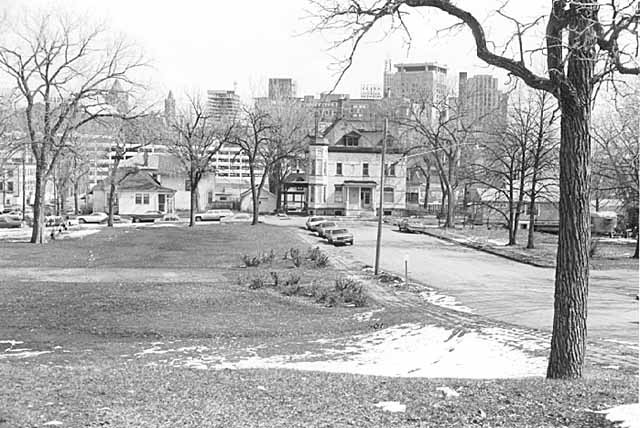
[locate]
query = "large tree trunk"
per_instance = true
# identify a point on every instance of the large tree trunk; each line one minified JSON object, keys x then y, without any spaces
{"x":635,"y":254}
{"x":37,"y":233}
{"x":568,"y":339}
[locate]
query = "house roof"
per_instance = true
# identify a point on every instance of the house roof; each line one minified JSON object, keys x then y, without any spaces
{"x":131,"y":179}
{"x":264,"y":192}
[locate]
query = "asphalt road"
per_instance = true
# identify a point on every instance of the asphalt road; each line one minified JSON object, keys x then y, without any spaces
{"x":496,"y":287}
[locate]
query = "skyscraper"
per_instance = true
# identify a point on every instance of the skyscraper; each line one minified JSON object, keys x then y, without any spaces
{"x":223,"y":105}
{"x":281,"y":88}
{"x":482,"y":104}
{"x":424,"y":82}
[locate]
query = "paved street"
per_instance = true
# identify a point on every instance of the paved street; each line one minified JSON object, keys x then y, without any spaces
{"x":496,"y":287}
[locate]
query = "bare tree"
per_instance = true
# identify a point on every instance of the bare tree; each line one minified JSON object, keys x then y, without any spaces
{"x":269,"y":136}
{"x":584,"y":43}
{"x":62,"y":74}
{"x":442,"y":134}
{"x":618,"y":165}
{"x":516,"y":163}
{"x":195,"y":139}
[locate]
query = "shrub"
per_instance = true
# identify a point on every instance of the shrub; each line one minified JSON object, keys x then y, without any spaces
{"x":345,"y":290}
{"x":295,"y":257}
{"x":314,"y":253}
{"x":267,"y":257}
{"x":250,"y":261}
{"x":257,"y":282}
{"x":275,"y":277}
{"x":322,"y":261}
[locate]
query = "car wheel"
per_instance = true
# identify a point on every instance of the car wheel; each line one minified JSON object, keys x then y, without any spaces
{"x":82,"y":221}
{"x":198,"y":218}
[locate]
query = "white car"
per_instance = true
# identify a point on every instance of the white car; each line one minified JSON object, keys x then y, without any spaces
{"x":314,"y":221}
{"x":213,"y":215}
{"x":96,"y":217}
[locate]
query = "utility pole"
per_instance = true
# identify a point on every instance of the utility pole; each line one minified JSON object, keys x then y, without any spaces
{"x":382,"y":168}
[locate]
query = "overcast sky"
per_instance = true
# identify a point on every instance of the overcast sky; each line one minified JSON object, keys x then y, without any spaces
{"x":199,"y":45}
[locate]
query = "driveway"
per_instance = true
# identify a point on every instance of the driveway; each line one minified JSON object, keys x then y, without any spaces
{"x":496,"y":287}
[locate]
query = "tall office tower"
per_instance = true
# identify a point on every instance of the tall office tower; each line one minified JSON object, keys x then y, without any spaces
{"x":370,"y":91}
{"x":223,"y":105}
{"x":281,"y":88}
{"x":481,"y":103}
{"x":420,"y":82}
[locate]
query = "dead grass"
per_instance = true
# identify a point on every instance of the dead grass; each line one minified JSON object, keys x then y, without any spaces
{"x":95,"y":380}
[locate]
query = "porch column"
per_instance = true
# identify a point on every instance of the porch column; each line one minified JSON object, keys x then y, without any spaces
{"x":346,"y":208}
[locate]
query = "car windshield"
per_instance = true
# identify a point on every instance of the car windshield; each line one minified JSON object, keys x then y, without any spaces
{"x":314,"y":219}
{"x":337,"y":231}
{"x":327,"y":224}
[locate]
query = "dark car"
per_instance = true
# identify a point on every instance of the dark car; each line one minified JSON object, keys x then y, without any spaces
{"x":147,"y":216}
{"x":10,"y":221}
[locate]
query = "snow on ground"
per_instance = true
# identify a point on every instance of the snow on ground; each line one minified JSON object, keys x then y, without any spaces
{"x":391,"y":406}
{"x":407,"y":350}
{"x":626,"y":415}
{"x":444,"y":301}
{"x":12,"y":352}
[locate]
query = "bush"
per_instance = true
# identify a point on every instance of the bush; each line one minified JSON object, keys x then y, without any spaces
{"x":319,"y":258}
{"x":295,"y":257}
{"x":250,"y":261}
{"x":257,"y":282}
{"x":345,"y":290}
{"x":268,"y":257}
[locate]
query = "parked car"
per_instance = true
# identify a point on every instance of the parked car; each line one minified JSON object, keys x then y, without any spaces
{"x":97,"y":217}
{"x":54,"y":220}
{"x":170,"y":217}
{"x":339,"y":236}
{"x":214,"y":215}
{"x":324,"y":226}
{"x":238,"y":218}
{"x":314,"y":221}
{"x":147,"y":216}
{"x":10,"y":221}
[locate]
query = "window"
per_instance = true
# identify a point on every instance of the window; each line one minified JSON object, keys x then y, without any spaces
{"x":187,"y":185}
{"x":365,"y":197}
{"x":365,"y":169}
{"x":10,"y":187}
{"x":312,"y":194}
{"x":138,"y":198}
{"x":390,"y":170}
{"x":388,"y":194}
{"x":145,"y":199}
{"x":209,"y":197}
{"x":337,"y":194}
{"x":339,"y":168}
{"x":324,"y":194}
{"x":351,"y":141}
{"x":412,"y":197}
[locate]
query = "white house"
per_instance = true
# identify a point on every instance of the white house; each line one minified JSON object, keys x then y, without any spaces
{"x":344,"y":171}
{"x":136,"y":192}
{"x":267,"y":201}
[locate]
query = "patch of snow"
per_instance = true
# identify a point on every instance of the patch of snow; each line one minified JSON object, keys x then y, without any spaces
{"x":448,"y":392}
{"x":501,"y":242}
{"x":408,"y":350}
{"x":366,"y":316}
{"x":441,"y":300}
{"x":12,"y":342}
{"x":518,"y":338}
{"x":78,"y":234}
{"x":52,"y":423}
{"x":626,"y":415}
{"x":391,"y":406}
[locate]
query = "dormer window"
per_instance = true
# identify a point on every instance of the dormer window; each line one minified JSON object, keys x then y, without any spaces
{"x":351,"y":141}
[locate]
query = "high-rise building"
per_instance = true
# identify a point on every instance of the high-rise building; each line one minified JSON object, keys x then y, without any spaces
{"x":281,"y":88}
{"x":420,"y":82}
{"x":223,"y":105}
{"x":482,"y":104}
{"x":370,"y":91}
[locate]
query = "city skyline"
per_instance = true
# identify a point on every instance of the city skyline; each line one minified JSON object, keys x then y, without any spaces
{"x":222,"y":47}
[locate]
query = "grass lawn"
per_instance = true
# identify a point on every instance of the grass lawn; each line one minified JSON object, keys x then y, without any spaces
{"x":95,"y":375}
{"x":609,"y":253}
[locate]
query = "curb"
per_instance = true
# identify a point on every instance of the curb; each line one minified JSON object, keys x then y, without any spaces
{"x":488,"y":250}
